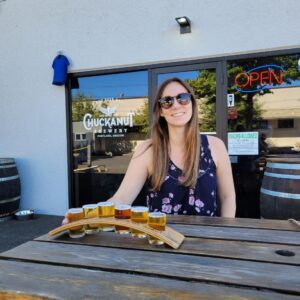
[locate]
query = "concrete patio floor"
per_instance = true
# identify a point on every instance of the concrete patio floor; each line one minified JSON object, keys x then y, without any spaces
{"x":14,"y":232}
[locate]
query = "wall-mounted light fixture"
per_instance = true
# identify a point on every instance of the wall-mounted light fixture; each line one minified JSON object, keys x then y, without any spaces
{"x":184,"y":23}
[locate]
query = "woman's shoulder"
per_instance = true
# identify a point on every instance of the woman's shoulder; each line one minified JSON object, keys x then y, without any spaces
{"x":144,"y":148}
{"x":215,"y":141}
{"x":218,"y":148}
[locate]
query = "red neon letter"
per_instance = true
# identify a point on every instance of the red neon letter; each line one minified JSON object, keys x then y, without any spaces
{"x":238,"y":77}
{"x":254,"y":76}
{"x":265,"y":78}
{"x":277,"y":78}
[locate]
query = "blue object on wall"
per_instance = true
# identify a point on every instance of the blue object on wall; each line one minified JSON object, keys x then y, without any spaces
{"x":60,"y":66}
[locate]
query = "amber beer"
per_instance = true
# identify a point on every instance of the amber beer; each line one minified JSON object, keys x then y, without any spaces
{"x":76,"y":214}
{"x":157,"y":220}
{"x":106,"y":209}
{"x":122,"y":211}
{"x":139,"y":214}
{"x":91,"y":211}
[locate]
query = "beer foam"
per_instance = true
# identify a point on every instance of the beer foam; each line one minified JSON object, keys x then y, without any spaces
{"x":157,"y":214}
{"x":89,"y":206}
{"x":123,"y":206}
{"x":139,"y":208}
{"x":75,"y":210}
{"x":106,"y":203}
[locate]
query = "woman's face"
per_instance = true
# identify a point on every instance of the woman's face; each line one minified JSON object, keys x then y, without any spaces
{"x":177,"y":115}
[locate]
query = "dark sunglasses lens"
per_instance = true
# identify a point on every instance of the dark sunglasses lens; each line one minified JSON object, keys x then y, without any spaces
{"x":166,"y":102}
{"x":184,"y":98}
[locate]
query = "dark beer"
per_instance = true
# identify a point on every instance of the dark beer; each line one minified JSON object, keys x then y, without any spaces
{"x":122,"y":211}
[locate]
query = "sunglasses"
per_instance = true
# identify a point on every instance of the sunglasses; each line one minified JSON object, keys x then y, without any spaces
{"x":168,"y":101}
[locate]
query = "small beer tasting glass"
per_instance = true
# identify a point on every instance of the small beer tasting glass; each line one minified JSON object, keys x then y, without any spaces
{"x":106,"y":209}
{"x":157,"y":220}
{"x":91,"y":211}
{"x":76,"y":214}
{"x":139,"y":214}
{"x":122,"y":211}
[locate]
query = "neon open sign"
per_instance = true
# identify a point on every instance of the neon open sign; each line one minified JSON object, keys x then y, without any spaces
{"x":259,"y":78}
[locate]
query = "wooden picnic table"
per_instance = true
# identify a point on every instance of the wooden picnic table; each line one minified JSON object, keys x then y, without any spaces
{"x":219,"y":259}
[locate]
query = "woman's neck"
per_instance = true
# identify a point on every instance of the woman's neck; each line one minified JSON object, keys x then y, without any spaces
{"x":177,"y":137}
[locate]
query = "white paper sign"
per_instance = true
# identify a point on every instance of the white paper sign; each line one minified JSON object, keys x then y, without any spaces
{"x":230,"y":100}
{"x":243,"y":143}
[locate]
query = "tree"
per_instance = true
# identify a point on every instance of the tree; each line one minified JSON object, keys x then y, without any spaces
{"x":204,"y":87}
{"x":82,"y":105}
{"x":141,"y":118}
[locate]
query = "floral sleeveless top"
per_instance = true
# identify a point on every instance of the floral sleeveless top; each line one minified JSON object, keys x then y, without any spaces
{"x":174,"y":198}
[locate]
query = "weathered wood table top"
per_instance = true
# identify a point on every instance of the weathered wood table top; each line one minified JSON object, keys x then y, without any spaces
{"x":219,"y":259}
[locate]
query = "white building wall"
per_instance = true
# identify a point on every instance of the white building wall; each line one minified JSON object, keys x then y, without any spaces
{"x":97,"y":34}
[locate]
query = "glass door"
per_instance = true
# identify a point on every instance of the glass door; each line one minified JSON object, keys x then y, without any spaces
{"x":205,"y":79}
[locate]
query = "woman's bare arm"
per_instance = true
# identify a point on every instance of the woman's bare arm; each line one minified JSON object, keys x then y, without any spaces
{"x":136,"y":175}
{"x":225,"y":185}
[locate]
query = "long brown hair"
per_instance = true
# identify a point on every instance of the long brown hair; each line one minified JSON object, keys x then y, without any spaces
{"x":160,"y":142}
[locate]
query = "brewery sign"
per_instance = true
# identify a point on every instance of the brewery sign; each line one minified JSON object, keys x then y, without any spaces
{"x":108,"y":125}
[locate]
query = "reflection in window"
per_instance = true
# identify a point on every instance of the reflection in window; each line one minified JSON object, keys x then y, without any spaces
{"x":286,"y":123}
{"x":110,"y":113}
{"x":109,"y":119}
{"x":263,"y":88}
{"x":203,"y":83}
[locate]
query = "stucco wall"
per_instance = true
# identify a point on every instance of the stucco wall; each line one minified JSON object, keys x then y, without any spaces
{"x":99,"y":34}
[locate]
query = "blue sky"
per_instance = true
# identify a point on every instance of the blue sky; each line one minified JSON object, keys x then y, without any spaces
{"x":130,"y":84}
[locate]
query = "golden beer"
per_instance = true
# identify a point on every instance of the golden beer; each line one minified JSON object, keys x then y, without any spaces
{"x":139,"y":214}
{"x":91,"y":211}
{"x":122,"y":211}
{"x":106,"y":209}
{"x":76,"y":214}
{"x":157,"y":220}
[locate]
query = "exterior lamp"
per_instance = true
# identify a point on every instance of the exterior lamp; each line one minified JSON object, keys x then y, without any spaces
{"x":184,"y":23}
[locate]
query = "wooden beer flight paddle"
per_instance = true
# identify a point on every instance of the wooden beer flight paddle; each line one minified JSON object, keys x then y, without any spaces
{"x":170,"y":236}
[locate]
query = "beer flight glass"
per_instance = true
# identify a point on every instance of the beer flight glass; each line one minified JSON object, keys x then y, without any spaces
{"x":137,"y":214}
{"x":91,"y":211}
{"x":122,"y":211}
{"x":157,"y":221}
{"x":106,"y":209}
{"x":76,"y":214}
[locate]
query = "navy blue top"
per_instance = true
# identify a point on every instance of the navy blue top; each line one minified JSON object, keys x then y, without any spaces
{"x":174,"y":198}
{"x":60,"y":66}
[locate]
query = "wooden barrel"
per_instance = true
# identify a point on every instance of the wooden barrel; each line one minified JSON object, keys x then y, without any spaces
{"x":10,"y":187}
{"x":280,"y":190}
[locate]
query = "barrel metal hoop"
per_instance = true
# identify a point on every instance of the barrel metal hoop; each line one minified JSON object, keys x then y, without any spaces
{"x":7,"y":166}
{"x":7,"y":160}
{"x":9,"y":178}
{"x":280,"y":194}
{"x":283,"y":166}
{"x":10,"y":200}
{"x":285,"y":176}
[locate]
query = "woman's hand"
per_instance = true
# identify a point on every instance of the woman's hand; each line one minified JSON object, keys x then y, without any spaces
{"x":65,"y":220}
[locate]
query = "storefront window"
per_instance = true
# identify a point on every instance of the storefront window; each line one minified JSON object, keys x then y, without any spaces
{"x":263,"y":120}
{"x":109,"y":119}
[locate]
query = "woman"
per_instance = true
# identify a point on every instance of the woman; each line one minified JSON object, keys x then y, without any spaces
{"x":170,"y":161}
